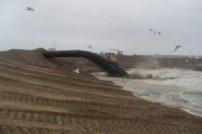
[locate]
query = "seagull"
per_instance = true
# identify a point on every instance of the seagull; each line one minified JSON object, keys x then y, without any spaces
{"x":155,"y":32}
{"x":30,"y":9}
{"x":159,"y":33}
{"x":150,"y":29}
{"x":77,"y":70}
{"x":177,"y":47}
{"x":89,"y":46}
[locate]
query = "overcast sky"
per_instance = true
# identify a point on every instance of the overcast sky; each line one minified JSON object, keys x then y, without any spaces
{"x":103,"y":24}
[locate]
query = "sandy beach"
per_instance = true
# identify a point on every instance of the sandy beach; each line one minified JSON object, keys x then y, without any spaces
{"x":41,"y":97}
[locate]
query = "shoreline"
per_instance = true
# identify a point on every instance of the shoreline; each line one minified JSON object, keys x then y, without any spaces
{"x":147,"y":95}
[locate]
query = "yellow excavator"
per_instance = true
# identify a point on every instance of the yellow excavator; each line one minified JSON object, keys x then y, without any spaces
{"x":114,"y":60}
{"x":112,"y":57}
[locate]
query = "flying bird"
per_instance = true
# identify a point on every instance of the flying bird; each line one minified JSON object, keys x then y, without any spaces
{"x":177,"y":47}
{"x":159,"y":33}
{"x":155,"y":32}
{"x":30,"y":9}
{"x":89,"y":46}
{"x":150,"y":29}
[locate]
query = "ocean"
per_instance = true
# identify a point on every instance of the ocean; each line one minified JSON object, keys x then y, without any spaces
{"x":171,"y":87}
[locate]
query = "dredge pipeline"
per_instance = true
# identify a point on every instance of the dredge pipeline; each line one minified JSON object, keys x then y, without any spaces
{"x":108,"y":66}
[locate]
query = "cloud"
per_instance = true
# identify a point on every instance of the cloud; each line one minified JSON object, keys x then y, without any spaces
{"x":105,"y":24}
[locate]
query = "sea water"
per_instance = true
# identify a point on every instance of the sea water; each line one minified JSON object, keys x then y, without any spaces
{"x":172,"y":87}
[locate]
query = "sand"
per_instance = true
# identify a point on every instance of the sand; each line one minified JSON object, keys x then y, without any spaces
{"x":39,"y":96}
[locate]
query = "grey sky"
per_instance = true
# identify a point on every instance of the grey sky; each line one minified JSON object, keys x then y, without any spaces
{"x":104,"y":24}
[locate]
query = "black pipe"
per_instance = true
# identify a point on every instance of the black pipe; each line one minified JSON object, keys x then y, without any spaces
{"x":111,"y":68}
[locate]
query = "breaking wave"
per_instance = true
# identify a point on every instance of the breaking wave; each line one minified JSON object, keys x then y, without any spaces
{"x":171,"y":87}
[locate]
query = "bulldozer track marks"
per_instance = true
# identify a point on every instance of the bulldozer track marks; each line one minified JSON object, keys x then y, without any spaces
{"x":61,"y":77}
{"x":68,"y":92}
{"x":63,"y":120}
{"x":30,"y":130}
{"x":36,"y":100}
{"x":69,"y":104}
{"x":49,"y":81}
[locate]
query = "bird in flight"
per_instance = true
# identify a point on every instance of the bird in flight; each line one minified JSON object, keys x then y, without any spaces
{"x":177,"y":47}
{"x":90,"y":47}
{"x":155,"y":32}
{"x":150,"y":29}
{"x":30,"y":9}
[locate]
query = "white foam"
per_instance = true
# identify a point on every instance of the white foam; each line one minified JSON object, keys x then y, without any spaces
{"x":172,"y":87}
